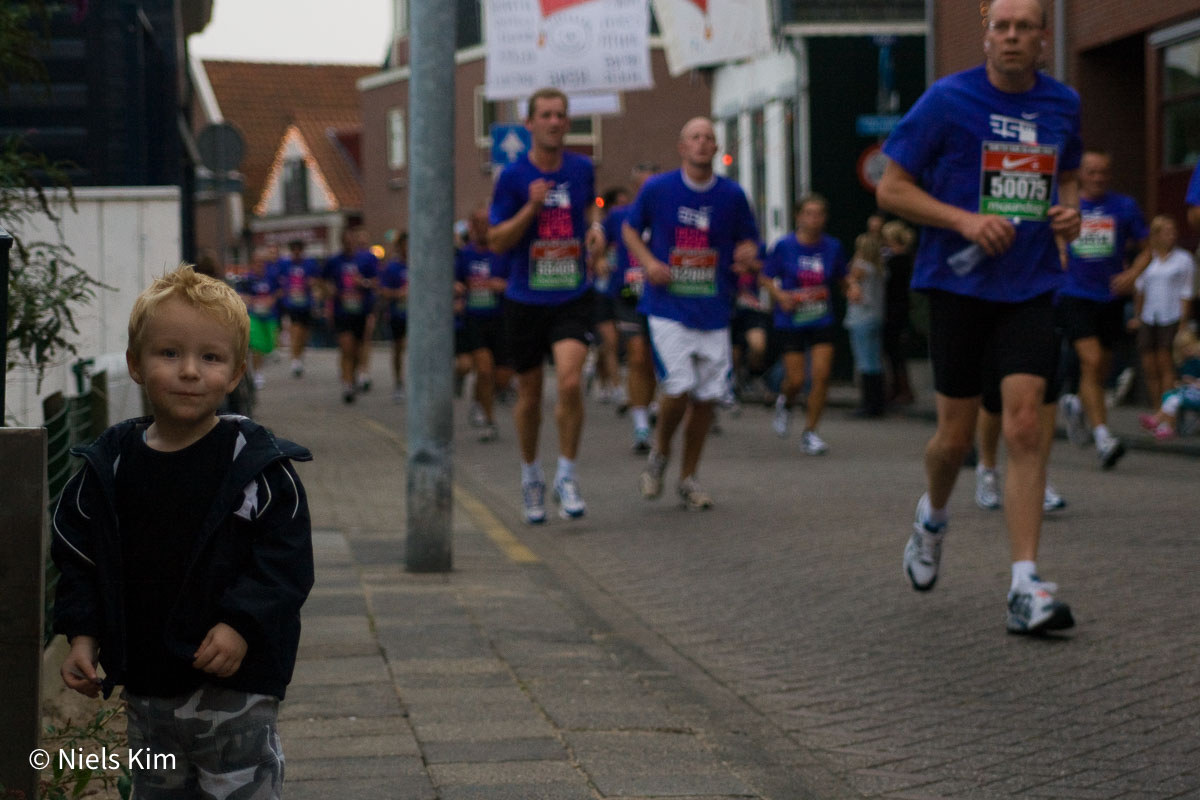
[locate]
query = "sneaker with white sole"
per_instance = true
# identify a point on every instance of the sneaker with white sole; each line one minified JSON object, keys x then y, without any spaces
{"x":489,"y":432}
{"x":1071,"y":408}
{"x":1051,"y":499}
{"x":570,"y":501}
{"x":533,"y":496}
{"x":476,"y":416}
{"x":987,"y":494}
{"x":1032,"y":608}
{"x":652,"y":476}
{"x":923,"y":553}
{"x":641,"y":441}
{"x":1109,"y":451}
{"x":812,"y":445}
{"x":782,"y":419}
{"x":692,"y":497}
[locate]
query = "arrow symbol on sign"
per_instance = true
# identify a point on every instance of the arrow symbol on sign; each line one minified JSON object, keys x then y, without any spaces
{"x":512,"y":146}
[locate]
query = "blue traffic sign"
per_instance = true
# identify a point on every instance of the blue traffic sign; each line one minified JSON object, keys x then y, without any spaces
{"x":508,"y":143}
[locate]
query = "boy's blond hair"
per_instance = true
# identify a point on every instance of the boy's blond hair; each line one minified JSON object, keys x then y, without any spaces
{"x":214,"y":297}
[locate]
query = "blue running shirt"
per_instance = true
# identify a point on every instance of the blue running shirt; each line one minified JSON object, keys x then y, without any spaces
{"x":628,"y":277}
{"x":693,"y":233}
{"x":1193,"y":190}
{"x":973,"y":146}
{"x":547,"y":266}
{"x":293,"y":279}
{"x":475,"y":268}
{"x":1108,"y":225}
{"x":395,"y":276}
{"x":810,"y":273}
{"x":343,"y":271}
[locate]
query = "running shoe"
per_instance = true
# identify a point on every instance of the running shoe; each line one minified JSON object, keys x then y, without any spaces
{"x":692,"y":497}
{"x":364,"y":383}
{"x":1051,"y":499}
{"x":398,"y":393}
{"x":260,"y":380}
{"x":489,"y":432}
{"x":652,"y":476}
{"x":347,"y":393}
{"x":641,"y":441}
{"x":297,"y":368}
{"x":1072,"y":412}
{"x":923,"y":553}
{"x":1109,"y":451}
{"x":1032,"y":609}
{"x":1148,"y":421}
{"x":1123,"y":385}
{"x":570,"y":501}
{"x":1164,"y":432}
{"x":812,"y":444}
{"x":782,"y":419}
{"x":533,"y":495}
{"x":476,"y":416}
{"x":987,"y":495}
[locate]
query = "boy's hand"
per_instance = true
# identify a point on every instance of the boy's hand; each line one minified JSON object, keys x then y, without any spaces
{"x":221,"y":652}
{"x":79,"y":669}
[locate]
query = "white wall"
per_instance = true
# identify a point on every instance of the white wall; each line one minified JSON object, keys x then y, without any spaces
{"x":123,"y":237}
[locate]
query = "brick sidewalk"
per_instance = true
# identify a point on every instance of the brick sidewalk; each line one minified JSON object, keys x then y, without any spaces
{"x":487,"y":682}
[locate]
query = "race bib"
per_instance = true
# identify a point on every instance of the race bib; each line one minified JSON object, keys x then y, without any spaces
{"x":1097,"y":237}
{"x":635,"y":281}
{"x":693,"y":272}
{"x":481,"y":298}
{"x":812,"y":303}
{"x":554,"y":265}
{"x":262,"y":305}
{"x":1017,"y":180}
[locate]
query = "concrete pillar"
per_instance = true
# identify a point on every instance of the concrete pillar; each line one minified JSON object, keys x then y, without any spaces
{"x":22,"y":587}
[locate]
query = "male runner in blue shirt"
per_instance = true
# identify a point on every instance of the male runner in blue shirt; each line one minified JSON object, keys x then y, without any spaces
{"x":986,"y":160}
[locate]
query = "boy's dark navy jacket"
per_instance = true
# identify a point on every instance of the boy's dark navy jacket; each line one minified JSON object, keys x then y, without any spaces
{"x":251,"y":567}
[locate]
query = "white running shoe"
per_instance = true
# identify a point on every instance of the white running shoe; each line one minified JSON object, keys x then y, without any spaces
{"x":641,"y":441}
{"x":923,"y":553}
{"x":570,"y":501}
{"x":652,"y":476}
{"x":297,"y":368}
{"x":476,"y":416}
{"x":260,"y":380}
{"x":1051,"y":499}
{"x":1032,"y":608}
{"x":812,"y":444}
{"x":533,"y":496}
{"x":1071,"y":408}
{"x":782,"y":419}
{"x":987,"y":495}
{"x":693,"y":497}
{"x":1109,"y":451}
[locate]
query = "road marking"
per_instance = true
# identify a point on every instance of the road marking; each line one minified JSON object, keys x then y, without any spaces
{"x":496,"y":530}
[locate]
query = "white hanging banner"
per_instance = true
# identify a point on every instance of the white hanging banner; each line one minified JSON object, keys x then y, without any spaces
{"x":699,"y":33}
{"x":574,"y":45}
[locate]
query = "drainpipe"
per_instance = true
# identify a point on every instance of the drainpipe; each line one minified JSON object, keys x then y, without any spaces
{"x":1060,"y":40}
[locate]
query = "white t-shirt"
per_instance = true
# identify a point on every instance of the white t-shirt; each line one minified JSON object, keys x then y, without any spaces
{"x":1165,"y":284}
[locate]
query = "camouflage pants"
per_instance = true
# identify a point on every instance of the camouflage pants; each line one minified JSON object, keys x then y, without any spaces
{"x":214,"y":744}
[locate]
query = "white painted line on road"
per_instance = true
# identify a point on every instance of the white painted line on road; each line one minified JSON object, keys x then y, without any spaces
{"x":496,"y":530}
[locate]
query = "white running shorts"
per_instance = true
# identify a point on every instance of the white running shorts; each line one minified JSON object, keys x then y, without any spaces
{"x":691,"y":361}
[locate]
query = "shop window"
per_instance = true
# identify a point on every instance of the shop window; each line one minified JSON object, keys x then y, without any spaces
{"x":1181,"y":103}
